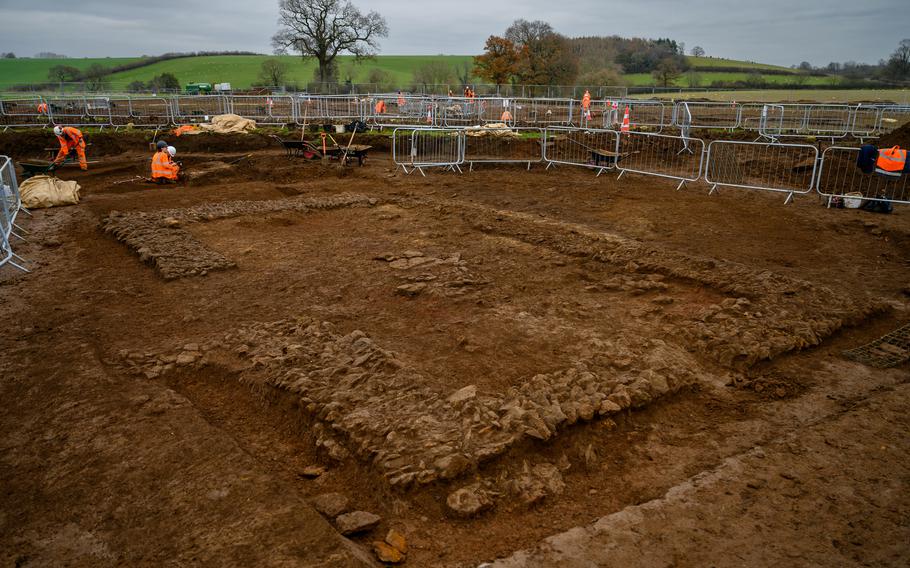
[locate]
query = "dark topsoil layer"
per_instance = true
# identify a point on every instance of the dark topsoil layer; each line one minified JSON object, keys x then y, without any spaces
{"x":900,"y":137}
{"x":32,"y":143}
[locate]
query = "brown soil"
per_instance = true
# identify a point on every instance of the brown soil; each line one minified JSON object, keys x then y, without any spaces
{"x":180,"y":354}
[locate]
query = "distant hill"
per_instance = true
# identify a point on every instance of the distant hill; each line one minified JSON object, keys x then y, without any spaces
{"x":242,"y":71}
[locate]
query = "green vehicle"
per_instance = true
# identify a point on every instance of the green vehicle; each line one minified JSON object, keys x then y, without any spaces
{"x":198,"y":88}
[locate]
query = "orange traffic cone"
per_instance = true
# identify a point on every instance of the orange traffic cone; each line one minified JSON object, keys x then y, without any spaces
{"x":429,"y":115}
{"x":625,"y":121}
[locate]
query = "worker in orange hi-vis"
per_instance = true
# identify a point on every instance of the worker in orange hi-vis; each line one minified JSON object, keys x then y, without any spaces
{"x":586,"y":100}
{"x":506,"y":116}
{"x":380,"y":107}
{"x":42,"y":108}
{"x":70,"y":139}
{"x":401,"y":100}
{"x":164,"y":168}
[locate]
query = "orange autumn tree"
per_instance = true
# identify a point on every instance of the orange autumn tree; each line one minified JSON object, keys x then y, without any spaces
{"x":499,"y":61}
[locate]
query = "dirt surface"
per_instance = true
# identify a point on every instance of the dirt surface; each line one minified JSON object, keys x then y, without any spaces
{"x":483,"y":360}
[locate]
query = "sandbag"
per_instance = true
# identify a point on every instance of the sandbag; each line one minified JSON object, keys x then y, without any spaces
{"x":220,"y":124}
{"x":45,"y":191}
{"x":493,"y":129}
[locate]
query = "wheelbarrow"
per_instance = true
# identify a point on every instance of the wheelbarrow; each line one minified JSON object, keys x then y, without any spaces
{"x":30,"y":169}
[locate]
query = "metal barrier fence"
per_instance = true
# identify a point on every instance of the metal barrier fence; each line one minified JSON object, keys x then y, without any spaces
{"x":10,"y":205}
{"x":838,"y":176}
{"x":590,"y":148}
{"x":507,"y":146}
{"x":674,"y":157}
{"x":709,"y":115}
{"x":820,"y":120}
{"x":422,"y":148}
{"x":785,"y":168}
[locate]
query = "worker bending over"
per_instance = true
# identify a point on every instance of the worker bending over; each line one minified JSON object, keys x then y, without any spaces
{"x":164,"y":168}
{"x":70,"y":139}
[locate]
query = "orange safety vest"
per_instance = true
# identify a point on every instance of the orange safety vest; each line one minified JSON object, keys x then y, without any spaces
{"x":163,"y":167}
{"x":380,"y":107}
{"x":71,"y":137}
{"x":891,"y":162}
{"x":42,"y":108}
{"x":506,"y":116}
{"x":586,"y":100}
{"x":401,"y":101}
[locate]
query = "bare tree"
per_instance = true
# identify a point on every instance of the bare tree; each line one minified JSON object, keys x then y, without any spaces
{"x":898,"y":66}
{"x":323,"y":29}
{"x":273,"y":72}
{"x":697,"y":51}
{"x":61,"y":73}
{"x":544,"y":56}
{"x":666,"y":73}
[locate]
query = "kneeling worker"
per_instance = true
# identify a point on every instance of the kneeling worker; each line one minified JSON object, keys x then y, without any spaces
{"x":164,"y":168}
{"x":70,"y":139}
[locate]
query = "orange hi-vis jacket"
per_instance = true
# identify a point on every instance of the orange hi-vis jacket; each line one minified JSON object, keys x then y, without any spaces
{"x":506,"y":116}
{"x":891,"y":162}
{"x":71,"y":138}
{"x":380,"y":107}
{"x":163,"y":167}
{"x":586,"y":101}
{"x":42,"y":108}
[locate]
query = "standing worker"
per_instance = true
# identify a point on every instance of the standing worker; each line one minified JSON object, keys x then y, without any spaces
{"x":380,"y":107}
{"x":70,"y":139}
{"x":164,"y":168}
{"x":586,"y":100}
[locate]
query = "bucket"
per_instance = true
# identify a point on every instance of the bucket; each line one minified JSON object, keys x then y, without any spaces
{"x":853,"y":200}
{"x":339,"y":129}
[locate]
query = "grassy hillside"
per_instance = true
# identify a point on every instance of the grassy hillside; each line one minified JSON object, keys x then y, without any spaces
{"x":719,"y":62}
{"x":243,"y":70}
{"x":13,"y":71}
{"x":706,"y":78}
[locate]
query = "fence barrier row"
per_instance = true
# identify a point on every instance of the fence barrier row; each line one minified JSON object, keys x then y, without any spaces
{"x":10,"y":206}
{"x":791,"y":169}
{"x":772,"y":121}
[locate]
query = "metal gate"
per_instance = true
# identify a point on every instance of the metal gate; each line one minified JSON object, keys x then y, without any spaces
{"x":424,"y":148}
{"x":785,"y":168}
{"x":838,"y":175}
{"x":672,"y":157}
{"x":589,"y":148}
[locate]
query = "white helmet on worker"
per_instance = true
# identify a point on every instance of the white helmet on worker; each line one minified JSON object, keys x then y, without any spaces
{"x":58,"y":131}
{"x":172,"y":151}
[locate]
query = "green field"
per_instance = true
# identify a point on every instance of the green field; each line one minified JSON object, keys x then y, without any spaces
{"x":719,"y":62}
{"x":242,"y":71}
{"x":646,"y":80}
{"x":13,"y":71}
{"x":785,"y":95}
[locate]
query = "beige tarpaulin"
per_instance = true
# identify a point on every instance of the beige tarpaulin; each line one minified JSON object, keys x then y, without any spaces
{"x":46,"y":191}
{"x":492,"y":129}
{"x":226,"y":124}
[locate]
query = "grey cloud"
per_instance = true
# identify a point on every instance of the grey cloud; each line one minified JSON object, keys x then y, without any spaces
{"x":774,"y":31}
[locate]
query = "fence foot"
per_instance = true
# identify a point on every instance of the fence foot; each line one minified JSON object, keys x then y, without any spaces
{"x":421,"y":171}
{"x":549,"y":164}
{"x":621,"y":173}
{"x":21,"y":229}
{"x":789,"y":198}
{"x":600,"y":171}
{"x":20,"y":267}
{"x":26,"y":211}
{"x":529,"y":166}
{"x":457,"y":167}
{"x":681,"y":185}
{"x":713,"y":189}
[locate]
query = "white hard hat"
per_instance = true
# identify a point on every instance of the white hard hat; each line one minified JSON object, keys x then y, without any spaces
{"x":172,"y":151}
{"x":58,"y":131}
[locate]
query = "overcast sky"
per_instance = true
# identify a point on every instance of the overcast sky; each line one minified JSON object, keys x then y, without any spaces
{"x":783,"y":32}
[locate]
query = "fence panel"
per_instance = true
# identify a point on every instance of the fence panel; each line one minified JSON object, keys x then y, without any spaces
{"x":711,"y":115}
{"x":189,"y":109}
{"x":643,"y":114}
{"x":893,"y":117}
{"x":423,"y":148}
{"x":150,"y":111}
{"x":588,"y":148}
{"x":458,"y":112}
{"x":264,"y":109}
{"x":866,"y":121}
{"x":838,"y":175}
{"x":829,"y":121}
{"x":9,"y":206}
{"x":71,"y":111}
{"x":22,"y":112}
{"x":543,"y":112}
{"x":674,"y":157}
{"x":509,"y":145}
{"x":402,"y":109}
{"x":786,"y":168}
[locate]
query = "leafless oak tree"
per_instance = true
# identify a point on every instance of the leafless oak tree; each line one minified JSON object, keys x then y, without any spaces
{"x":323,"y":29}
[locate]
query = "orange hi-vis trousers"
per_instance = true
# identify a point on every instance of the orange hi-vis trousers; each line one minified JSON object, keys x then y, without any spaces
{"x":66,"y":148}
